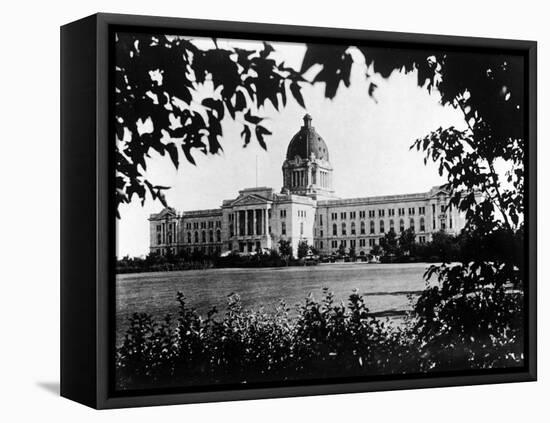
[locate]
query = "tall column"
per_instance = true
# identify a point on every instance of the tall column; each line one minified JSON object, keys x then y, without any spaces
{"x":254,"y":222}
{"x":262,"y":221}
{"x":265,"y":221}
{"x":239,"y":215}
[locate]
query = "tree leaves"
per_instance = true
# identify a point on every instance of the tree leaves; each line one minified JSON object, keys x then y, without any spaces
{"x":246,"y":134}
{"x":336,"y":65}
{"x":215,"y":105}
{"x":157,"y":78}
{"x":252,"y":119}
{"x":260,"y":132}
{"x":187,"y":151}
{"x":295,"y":90}
{"x":173,"y":152}
{"x":240,"y":101}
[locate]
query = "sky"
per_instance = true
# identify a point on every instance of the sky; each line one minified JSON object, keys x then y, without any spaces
{"x":368,"y":141}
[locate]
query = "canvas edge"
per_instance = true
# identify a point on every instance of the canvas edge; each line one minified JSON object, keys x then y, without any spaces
{"x":78,"y":333}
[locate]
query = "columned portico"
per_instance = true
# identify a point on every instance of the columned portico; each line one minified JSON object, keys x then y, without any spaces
{"x":251,"y":209}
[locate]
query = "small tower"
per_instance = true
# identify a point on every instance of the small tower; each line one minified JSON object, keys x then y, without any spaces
{"x":307,"y":169}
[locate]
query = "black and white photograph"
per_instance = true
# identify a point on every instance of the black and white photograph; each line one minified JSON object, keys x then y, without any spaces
{"x":298,"y":212}
{"x":242,"y":211}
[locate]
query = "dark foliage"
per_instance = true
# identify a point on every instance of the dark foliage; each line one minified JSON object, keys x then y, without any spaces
{"x":285,"y":249}
{"x":473,"y":317}
{"x":158,"y":80}
{"x":303,"y":249}
{"x":154,"y":262}
{"x":262,"y":259}
{"x":324,"y":340}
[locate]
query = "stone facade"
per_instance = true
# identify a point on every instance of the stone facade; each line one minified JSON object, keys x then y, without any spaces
{"x":306,"y":209}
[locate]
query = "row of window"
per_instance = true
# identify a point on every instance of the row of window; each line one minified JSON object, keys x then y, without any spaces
{"x":300,"y":213}
{"x":372,"y":228}
{"x":169,"y":238}
{"x":362,"y":242}
{"x":204,"y":224}
{"x":381,"y":213}
{"x":159,"y":227}
{"x":167,"y":235}
{"x":194,"y":238}
{"x":352,"y":243}
{"x":210,"y":249}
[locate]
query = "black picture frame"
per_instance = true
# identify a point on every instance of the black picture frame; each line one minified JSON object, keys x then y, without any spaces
{"x":87,"y":209}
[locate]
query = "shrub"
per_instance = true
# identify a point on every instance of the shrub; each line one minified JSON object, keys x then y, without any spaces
{"x":325,"y":339}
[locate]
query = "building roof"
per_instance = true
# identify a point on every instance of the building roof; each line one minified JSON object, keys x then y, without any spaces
{"x":395,"y":198}
{"x":306,"y":142}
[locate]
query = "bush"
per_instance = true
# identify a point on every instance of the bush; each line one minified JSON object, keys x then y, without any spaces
{"x":324,"y":340}
{"x":159,"y":263}
{"x":473,"y":319}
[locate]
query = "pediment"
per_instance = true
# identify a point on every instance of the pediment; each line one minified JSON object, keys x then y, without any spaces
{"x":249,"y":200}
{"x":440,"y":193}
{"x":166,"y":213}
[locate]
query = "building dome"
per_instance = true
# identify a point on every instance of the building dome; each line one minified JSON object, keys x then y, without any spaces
{"x":307,"y":141}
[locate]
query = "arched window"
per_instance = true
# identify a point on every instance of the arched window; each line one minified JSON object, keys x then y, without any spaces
{"x":372,"y":226}
{"x":353,"y":228}
{"x":392,"y":226}
{"x":283,"y":228}
{"x":334,"y":229}
{"x":362,"y":227}
{"x":203,"y":236}
{"x":196,"y":237}
{"x":343,"y":228}
{"x":401,"y":225}
{"x":411,"y":224}
{"x":218,"y":236}
{"x":189,"y":237}
{"x":381,"y":226}
{"x":422,"y":225}
{"x":211,"y":236}
{"x":301,"y":228}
